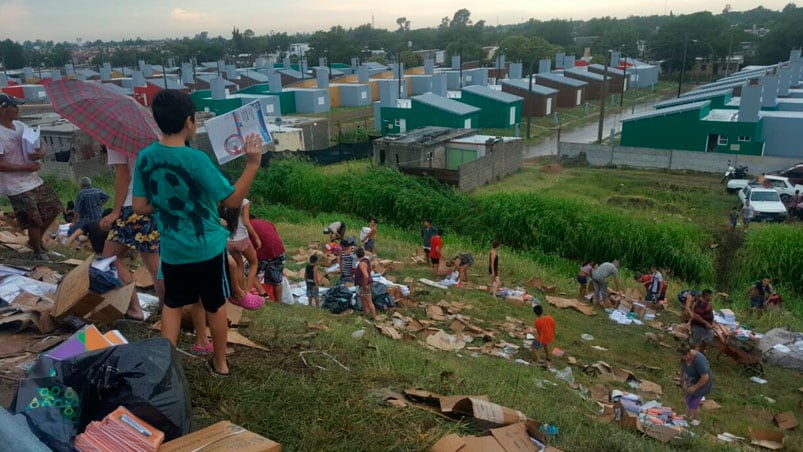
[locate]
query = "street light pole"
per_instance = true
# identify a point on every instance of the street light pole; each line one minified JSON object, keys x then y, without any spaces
{"x":683,"y":63}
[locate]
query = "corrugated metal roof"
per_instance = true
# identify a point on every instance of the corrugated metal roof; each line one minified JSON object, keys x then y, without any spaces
{"x":573,"y":82}
{"x":445,"y":104}
{"x":171,"y":84}
{"x":291,"y":73}
{"x":780,"y":114}
{"x":585,"y":74}
{"x":710,"y":89}
{"x":524,"y":84}
{"x":209,"y":77}
{"x":695,"y":98}
{"x":500,"y":96}
{"x":669,"y":111}
{"x":611,"y":70}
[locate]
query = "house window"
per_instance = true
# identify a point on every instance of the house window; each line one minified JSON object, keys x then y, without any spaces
{"x":741,"y":138}
{"x":723,"y":140}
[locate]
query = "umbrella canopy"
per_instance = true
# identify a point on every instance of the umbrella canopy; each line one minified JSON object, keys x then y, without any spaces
{"x":110,"y":117}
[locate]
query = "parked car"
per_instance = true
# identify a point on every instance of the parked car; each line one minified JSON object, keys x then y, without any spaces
{"x":794,"y":173}
{"x":781,"y":184}
{"x":766,"y":203}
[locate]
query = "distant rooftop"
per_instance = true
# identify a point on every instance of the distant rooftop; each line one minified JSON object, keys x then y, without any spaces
{"x":525,"y":85}
{"x":671,"y":110}
{"x":693,"y":98}
{"x":445,"y":104}
{"x":558,"y":78}
{"x":722,"y":116}
{"x":492,"y":94}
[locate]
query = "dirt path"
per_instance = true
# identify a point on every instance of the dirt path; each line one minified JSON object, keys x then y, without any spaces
{"x":725,"y":255}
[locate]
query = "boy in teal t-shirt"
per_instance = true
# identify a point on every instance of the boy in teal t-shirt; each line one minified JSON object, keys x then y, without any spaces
{"x":182,"y":187}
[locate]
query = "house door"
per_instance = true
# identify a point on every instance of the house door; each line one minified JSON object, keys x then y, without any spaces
{"x":512,"y":116}
{"x":548,"y":109}
{"x":713,"y":140}
{"x":467,"y":123}
{"x":402,"y":125}
{"x":579,"y":97}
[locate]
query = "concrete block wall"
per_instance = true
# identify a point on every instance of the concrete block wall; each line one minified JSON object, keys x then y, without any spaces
{"x":75,"y":170}
{"x":707,"y":162}
{"x":506,"y":159}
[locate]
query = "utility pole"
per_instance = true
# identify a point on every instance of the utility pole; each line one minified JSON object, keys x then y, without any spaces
{"x":529,"y":99}
{"x":602,"y":98}
{"x":461,"y":64}
{"x":683,"y":63}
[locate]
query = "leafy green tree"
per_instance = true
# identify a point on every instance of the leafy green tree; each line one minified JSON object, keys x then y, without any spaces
{"x":11,"y":54}
{"x":785,"y":34}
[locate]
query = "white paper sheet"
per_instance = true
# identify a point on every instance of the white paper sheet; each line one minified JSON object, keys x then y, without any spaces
{"x":227,"y":132}
{"x":30,"y":140}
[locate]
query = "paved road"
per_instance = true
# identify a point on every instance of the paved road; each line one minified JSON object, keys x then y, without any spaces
{"x":584,"y":134}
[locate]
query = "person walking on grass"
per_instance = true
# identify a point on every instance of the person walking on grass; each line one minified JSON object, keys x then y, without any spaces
{"x":181,"y":187}
{"x":312,"y":278}
{"x":364,"y":282}
{"x":545,"y":332}
{"x":697,"y":380}
{"x":748,"y":212}
{"x":436,"y":251}
{"x":702,"y":320}
{"x":427,"y":232}
{"x":493,"y":267}
{"x":733,"y":218}
{"x":35,"y":204}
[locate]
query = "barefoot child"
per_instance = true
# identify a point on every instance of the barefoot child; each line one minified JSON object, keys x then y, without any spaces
{"x":493,"y":267}
{"x":545,"y":329}
{"x":312,"y":278}
{"x":364,"y":282}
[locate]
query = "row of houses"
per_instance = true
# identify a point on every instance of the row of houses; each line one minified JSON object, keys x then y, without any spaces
{"x":756,"y":111}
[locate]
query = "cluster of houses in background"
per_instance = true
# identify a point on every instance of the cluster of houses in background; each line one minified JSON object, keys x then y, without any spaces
{"x":756,"y":111}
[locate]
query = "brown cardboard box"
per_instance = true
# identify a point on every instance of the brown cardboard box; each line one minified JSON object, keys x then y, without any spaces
{"x":73,"y":297}
{"x":624,"y":418}
{"x":766,"y":438}
{"x":786,"y":421}
{"x":639,"y":309}
{"x":511,"y":438}
{"x":223,"y":436}
{"x":486,"y":412}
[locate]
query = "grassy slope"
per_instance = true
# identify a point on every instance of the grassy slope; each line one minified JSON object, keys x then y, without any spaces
{"x":308,"y":409}
{"x":275,"y":394}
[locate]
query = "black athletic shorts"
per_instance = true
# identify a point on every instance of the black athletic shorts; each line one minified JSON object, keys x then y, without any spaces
{"x":208,"y":281}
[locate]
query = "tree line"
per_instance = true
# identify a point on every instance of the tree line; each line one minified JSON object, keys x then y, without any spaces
{"x":653,"y":38}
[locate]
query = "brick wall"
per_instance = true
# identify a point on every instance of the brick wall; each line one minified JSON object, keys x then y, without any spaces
{"x":506,"y":159}
{"x":602,"y":155}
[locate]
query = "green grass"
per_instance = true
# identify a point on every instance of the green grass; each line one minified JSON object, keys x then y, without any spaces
{"x":526,"y":220}
{"x":275,"y":394}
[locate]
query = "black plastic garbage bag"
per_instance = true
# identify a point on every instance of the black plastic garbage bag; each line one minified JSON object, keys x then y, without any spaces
{"x":146,"y":377}
{"x":338,"y":299}
{"x":381,"y":298}
{"x":51,"y":410}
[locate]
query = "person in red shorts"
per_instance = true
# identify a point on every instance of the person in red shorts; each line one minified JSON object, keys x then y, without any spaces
{"x":545,"y":332}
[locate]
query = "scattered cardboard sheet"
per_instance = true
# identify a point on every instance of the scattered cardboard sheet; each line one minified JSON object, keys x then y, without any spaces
{"x":786,"y":421}
{"x":565,"y":303}
{"x":446,"y":342}
{"x":389,"y":331}
{"x":431,"y":283}
{"x":320,"y":325}
{"x":766,"y":438}
{"x":435,"y":312}
{"x":710,"y":404}
{"x":142,"y":278}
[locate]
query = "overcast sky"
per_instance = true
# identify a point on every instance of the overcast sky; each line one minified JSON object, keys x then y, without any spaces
{"x":61,"y":20}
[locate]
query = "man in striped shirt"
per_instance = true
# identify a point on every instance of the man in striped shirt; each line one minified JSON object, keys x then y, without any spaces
{"x":88,"y":204}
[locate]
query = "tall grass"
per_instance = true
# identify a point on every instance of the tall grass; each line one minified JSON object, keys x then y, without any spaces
{"x":528,"y":221}
{"x":775,"y":251}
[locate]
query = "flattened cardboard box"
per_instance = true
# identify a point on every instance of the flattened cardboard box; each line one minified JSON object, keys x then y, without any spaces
{"x":223,"y":436}
{"x":766,"y":438}
{"x":486,"y":412}
{"x":511,"y":438}
{"x":786,"y":421}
